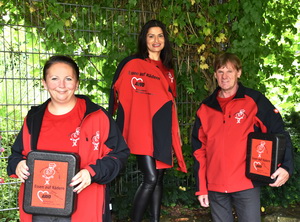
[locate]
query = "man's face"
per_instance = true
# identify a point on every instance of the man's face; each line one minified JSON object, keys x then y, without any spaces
{"x":227,"y":77}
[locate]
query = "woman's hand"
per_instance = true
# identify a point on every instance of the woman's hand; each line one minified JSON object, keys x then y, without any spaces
{"x":81,"y":180}
{"x":22,"y":171}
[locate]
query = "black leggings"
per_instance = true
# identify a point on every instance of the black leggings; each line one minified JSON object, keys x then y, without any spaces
{"x":149,"y":191}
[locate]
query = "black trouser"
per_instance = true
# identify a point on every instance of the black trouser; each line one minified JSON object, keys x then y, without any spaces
{"x":246,"y":203}
{"x":149,"y":192}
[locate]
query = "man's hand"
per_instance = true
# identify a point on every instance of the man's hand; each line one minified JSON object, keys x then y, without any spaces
{"x":282,"y":176}
{"x":203,"y":199}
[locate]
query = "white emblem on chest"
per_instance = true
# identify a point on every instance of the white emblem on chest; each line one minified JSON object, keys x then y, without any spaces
{"x":240,"y":115}
{"x":75,"y":136}
{"x":95,"y":140}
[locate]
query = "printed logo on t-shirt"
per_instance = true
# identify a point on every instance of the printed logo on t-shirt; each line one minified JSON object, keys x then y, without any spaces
{"x":137,"y":82}
{"x":95,"y":140}
{"x":240,"y":115}
{"x":75,"y":136}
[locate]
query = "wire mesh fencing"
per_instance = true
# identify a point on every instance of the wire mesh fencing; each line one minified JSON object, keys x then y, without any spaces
{"x":88,"y":34}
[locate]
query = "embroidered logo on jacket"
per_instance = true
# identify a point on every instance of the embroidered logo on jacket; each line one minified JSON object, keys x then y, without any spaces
{"x":95,"y":140}
{"x":75,"y":136}
{"x":240,"y":115}
{"x":171,"y":77}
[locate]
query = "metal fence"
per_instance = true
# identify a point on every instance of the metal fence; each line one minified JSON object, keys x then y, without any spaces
{"x":22,"y":54}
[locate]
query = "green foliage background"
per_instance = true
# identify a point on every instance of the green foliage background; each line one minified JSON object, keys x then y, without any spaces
{"x":264,"y":33}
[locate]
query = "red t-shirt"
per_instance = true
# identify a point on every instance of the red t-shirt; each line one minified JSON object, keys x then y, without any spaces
{"x":61,"y":132}
{"x":224,"y":101}
{"x":168,"y":73}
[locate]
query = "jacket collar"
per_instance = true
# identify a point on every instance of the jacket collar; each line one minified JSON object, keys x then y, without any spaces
{"x":212,"y":101}
{"x":35,"y":116}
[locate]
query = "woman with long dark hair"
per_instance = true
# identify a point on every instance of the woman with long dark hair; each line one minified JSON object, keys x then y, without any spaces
{"x":143,"y":93}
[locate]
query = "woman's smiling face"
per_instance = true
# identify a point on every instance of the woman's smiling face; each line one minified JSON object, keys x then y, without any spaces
{"x":155,"y":40}
{"x":61,"y":82}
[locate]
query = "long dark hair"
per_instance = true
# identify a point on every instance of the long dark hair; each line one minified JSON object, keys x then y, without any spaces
{"x":166,"y":54}
{"x":60,"y":59}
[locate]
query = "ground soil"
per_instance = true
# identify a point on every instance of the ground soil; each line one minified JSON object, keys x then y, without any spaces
{"x":178,"y":213}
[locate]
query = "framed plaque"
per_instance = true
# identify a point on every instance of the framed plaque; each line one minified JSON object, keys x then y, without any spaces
{"x":264,"y":155}
{"x":47,"y":190}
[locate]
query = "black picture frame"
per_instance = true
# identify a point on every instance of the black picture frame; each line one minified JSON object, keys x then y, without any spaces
{"x":277,"y":149}
{"x":72,"y":161}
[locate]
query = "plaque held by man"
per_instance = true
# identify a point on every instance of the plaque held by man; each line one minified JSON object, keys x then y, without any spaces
{"x":264,"y":155}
